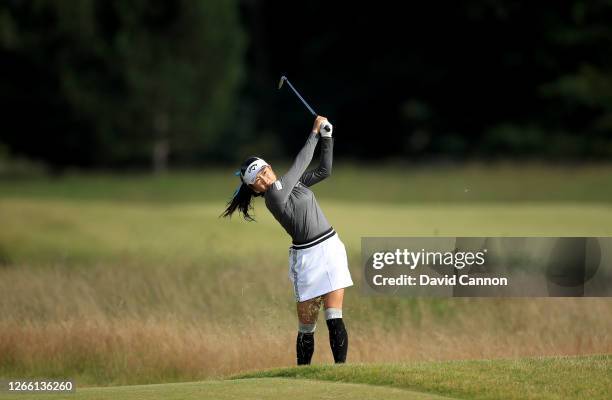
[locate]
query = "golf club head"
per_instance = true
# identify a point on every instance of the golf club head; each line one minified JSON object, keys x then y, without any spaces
{"x":280,"y":85}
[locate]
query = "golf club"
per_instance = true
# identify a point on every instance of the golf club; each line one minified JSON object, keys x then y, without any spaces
{"x":284,"y":79}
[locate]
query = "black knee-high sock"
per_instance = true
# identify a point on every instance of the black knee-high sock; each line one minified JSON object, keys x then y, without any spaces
{"x":338,"y":339}
{"x":304,"y":347}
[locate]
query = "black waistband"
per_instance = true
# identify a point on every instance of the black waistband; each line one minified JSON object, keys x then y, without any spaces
{"x":314,"y":241}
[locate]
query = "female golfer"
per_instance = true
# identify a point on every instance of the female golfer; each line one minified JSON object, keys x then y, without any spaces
{"x":318,"y":266}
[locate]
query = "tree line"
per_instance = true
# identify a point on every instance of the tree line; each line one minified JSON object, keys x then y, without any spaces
{"x":117,"y":84}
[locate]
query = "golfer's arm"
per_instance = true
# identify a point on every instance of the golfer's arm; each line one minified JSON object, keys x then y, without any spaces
{"x":324,"y":169}
{"x":302,"y":160}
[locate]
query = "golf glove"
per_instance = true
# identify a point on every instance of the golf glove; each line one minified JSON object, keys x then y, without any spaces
{"x":326,"y":129}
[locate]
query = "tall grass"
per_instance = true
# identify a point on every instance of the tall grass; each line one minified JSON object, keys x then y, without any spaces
{"x":109,"y":324}
{"x":112,"y":291}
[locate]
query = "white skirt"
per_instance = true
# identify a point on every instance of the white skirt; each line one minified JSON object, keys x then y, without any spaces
{"x":318,"y":269}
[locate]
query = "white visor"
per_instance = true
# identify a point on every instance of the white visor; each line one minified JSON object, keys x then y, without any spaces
{"x":252,"y":170}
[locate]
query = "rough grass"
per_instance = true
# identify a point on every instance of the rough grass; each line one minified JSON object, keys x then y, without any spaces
{"x":120,"y":293}
{"x":140,"y":284}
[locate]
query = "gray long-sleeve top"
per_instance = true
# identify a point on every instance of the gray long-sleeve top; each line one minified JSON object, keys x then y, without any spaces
{"x":291,"y":201}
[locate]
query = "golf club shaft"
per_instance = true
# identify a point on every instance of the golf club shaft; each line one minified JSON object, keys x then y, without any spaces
{"x":301,"y":98}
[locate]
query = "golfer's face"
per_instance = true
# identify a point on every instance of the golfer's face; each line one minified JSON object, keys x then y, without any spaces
{"x":264,"y":179}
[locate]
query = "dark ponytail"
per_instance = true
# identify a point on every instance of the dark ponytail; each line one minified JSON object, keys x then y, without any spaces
{"x":242,"y":202}
{"x":243,"y":195}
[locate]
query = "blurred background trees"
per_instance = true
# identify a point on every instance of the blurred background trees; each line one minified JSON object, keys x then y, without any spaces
{"x":115,"y":84}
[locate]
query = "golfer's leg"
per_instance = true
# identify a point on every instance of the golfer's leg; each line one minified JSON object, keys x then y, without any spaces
{"x":307,"y":312}
{"x":338,"y":337}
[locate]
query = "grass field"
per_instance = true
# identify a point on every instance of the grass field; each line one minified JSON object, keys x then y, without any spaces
{"x":378,"y":183}
{"x":131,"y":280}
{"x":258,"y":388}
{"x":587,"y":377}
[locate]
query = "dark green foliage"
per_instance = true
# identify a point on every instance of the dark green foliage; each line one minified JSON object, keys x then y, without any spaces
{"x":121,"y":83}
{"x":110,"y":81}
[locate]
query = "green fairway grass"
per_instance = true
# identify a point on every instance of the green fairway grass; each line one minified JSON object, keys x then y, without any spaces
{"x":43,"y":231}
{"x":261,"y":388}
{"x":588,"y":377}
{"x":369,"y":183}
